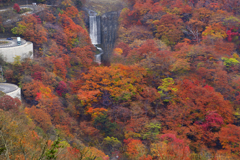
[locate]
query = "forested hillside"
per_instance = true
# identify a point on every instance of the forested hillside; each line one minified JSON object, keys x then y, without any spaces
{"x":172,"y":90}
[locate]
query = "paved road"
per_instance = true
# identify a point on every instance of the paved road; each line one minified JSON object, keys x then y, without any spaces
{"x":25,"y":6}
{"x":7,"y":88}
{"x":34,"y":9}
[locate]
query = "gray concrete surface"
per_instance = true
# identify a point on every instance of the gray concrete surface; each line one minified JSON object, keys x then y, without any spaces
{"x":11,"y":50}
{"x":7,"y":88}
{"x":11,"y":43}
{"x":109,"y":26}
{"x":10,"y":89}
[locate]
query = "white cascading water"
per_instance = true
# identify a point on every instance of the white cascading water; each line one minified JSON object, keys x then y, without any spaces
{"x":94,"y":37}
{"x":98,"y":56}
{"x":93,"y":30}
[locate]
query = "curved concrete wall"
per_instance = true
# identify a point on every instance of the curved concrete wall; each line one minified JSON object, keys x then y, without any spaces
{"x":15,"y":94}
{"x":12,"y":90}
{"x":24,"y":51}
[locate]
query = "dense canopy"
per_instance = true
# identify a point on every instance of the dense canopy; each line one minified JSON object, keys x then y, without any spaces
{"x":172,"y":90}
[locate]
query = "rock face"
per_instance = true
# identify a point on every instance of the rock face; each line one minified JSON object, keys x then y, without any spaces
{"x":109,"y":26}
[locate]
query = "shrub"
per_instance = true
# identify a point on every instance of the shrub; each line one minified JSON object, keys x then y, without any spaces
{"x":16,"y":7}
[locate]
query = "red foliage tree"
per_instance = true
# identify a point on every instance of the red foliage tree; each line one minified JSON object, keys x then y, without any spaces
{"x":31,"y":89}
{"x":62,"y":88}
{"x":147,"y":48}
{"x":169,"y":29}
{"x":16,"y":7}
{"x":59,"y":67}
{"x":89,"y":130}
{"x":85,"y":55}
{"x":39,"y":21}
{"x":37,"y":76}
{"x":128,"y":17}
{"x":197,"y":109}
{"x":9,"y":75}
{"x":229,"y":137}
{"x":125,"y":48}
{"x":212,"y":122}
{"x":175,"y":147}
{"x":9,"y":103}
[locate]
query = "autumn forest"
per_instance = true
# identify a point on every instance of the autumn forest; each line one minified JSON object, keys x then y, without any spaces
{"x":170,"y":92}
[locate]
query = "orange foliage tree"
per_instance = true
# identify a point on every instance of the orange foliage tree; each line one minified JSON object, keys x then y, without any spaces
{"x":121,"y":82}
{"x":135,"y":148}
{"x":229,"y":137}
{"x":72,"y":31}
{"x":169,"y":29}
{"x":170,"y":147}
{"x":84,"y":55}
{"x":31,"y":30}
{"x":31,"y":89}
{"x":59,"y":67}
{"x":42,"y":118}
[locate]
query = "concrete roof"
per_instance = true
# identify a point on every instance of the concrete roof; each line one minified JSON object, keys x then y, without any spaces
{"x":11,"y":43}
{"x":7,"y":87}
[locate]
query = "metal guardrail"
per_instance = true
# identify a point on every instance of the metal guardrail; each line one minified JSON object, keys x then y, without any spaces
{"x":2,"y":80}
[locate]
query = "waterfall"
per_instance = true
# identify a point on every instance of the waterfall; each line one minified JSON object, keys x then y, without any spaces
{"x":95,"y":35}
{"x":98,"y":56}
{"x":93,"y":30}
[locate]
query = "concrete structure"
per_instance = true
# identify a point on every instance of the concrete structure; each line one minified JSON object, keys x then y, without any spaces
{"x":9,"y":49}
{"x":10,"y":89}
{"x":109,"y":26}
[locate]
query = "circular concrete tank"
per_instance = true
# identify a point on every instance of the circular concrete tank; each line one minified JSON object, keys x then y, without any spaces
{"x":9,"y":49}
{"x":11,"y":89}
